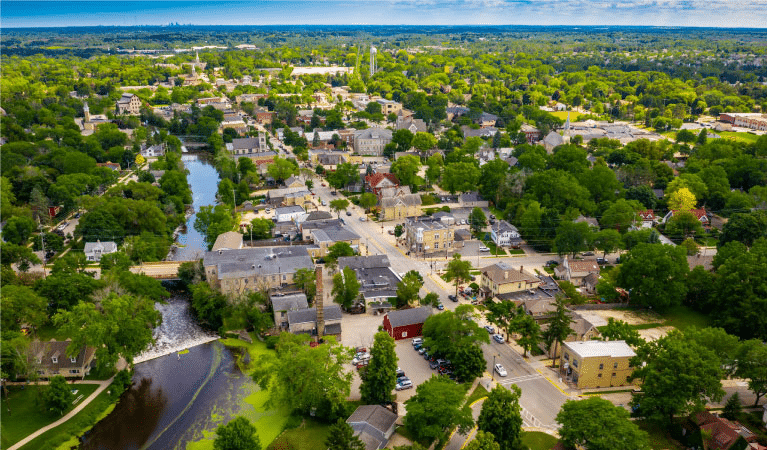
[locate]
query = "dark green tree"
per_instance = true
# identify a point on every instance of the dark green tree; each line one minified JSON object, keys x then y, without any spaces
{"x":559,"y":326}
{"x":477,"y":220}
{"x":654,"y":275}
{"x":458,"y":271}
{"x":346,"y":288}
{"x":238,"y":434}
{"x":752,"y":365}
{"x":501,"y":416}
{"x":436,"y":407}
{"x":341,"y":437}
{"x":380,"y":377}
{"x":58,"y":395}
{"x":597,"y":424}
{"x":733,"y":407}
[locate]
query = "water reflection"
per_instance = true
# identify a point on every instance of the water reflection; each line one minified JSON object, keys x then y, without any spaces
{"x":140,"y":410}
{"x":203,"y":179}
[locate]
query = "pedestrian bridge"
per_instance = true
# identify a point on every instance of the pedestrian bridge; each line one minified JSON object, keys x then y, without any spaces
{"x":163,"y":270}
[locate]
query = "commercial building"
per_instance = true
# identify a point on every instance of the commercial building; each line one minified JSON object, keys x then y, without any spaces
{"x":406,"y":323}
{"x":424,"y":235}
{"x":596,"y":364}
{"x":501,"y":278}
{"x":129,"y":104}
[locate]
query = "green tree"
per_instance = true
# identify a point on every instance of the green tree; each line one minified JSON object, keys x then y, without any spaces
{"x":608,"y":241}
{"x":424,"y":141}
{"x":209,"y":305}
{"x":492,"y":174}
{"x":306,"y":280}
{"x":406,"y":168}
{"x":618,"y":330}
{"x":620,"y":215}
{"x":121,"y":326}
{"x":483,"y":441}
{"x":408,"y":288}
{"x":402,"y":139}
{"x":745,"y":228}
{"x":345,"y":173}
{"x":431,"y":299}
{"x":282,"y":169}
{"x":752,"y":365}
{"x":306,"y":379}
{"x":458,"y":271}
{"x":338,"y":205}
{"x":346,"y":288}
{"x":654,"y":275}
{"x":341,"y":435}
{"x":212,"y":221}
{"x":455,"y":335}
{"x":682,"y":200}
{"x":461,"y":177}
{"x":597,"y":424}
{"x":58,"y":395}
{"x":338,"y":250}
{"x":733,"y":407}
{"x":678,"y":376}
{"x":18,"y":229}
{"x":559,"y":326}
{"x":238,"y":434}
{"x":529,"y":331}
{"x":436,"y":407}
{"x":381,"y":374}
{"x":502,"y":315}
{"x":501,"y":416}
{"x":572,"y":237}
{"x":21,"y":305}
{"x":684,"y":224}
{"x":261,"y":228}
{"x":368,"y":200}
{"x":477,"y":220}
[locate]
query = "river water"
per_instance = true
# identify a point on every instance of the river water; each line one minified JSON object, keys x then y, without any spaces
{"x":203,"y":179}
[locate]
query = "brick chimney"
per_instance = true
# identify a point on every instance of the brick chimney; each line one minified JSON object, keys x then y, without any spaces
{"x":505,"y":274}
{"x":521,"y":269}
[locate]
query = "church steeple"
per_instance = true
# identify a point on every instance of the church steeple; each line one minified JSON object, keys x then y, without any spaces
{"x":86,"y":112}
{"x":567,"y":122}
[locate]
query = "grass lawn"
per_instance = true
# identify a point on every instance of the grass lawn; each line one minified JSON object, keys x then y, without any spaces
{"x":494,"y":250}
{"x":310,"y":435}
{"x":659,"y":437}
{"x":683,"y":317}
{"x":74,"y":427}
{"x":28,"y":413}
{"x":48,"y":332}
{"x":476,"y":394}
{"x":563,"y":115}
{"x":537,"y":440}
{"x":743,"y":137}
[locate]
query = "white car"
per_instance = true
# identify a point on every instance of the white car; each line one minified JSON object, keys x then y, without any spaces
{"x":501,"y":371}
{"x":404,"y":384}
{"x":483,"y":248}
{"x":361,"y":357}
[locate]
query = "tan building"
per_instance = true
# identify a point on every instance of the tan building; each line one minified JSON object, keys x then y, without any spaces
{"x":596,"y":364}
{"x":129,"y":104}
{"x":425,"y":235}
{"x":576,"y":271}
{"x":50,"y":359}
{"x":400,"y":205}
{"x":502,"y":278}
{"x":324,"y":238}
{"x":389,"y":106}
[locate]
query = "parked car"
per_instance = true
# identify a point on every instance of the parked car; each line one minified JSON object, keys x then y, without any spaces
{"x":334,"y":193}
{"x":498,"y":338}
{"x":492,"y":216}
{"x":417,"y":341}
{"x":402,"y":378}
{"x":433,"y":365}
{"x":406,"y":384}
{"x":391,"y":232}
{"x":601,"y":261}
{"x":490,"y":329}
{"x":440,"y":307}
{"x":400,"y":372}
{"x":324,"y":203}
{"x":501,"y":371}
{"x":361,"y":357}
{"x":587,"y":253}
{"x":363,"y":218}
{"x":483,"y":248}
{"x":362,"y":364}
{"x":452,"y":297}
{"x":360,"y":350}
{"x":348,"y":213}
{"x":422,"y":350}
{"x":417,"y":346}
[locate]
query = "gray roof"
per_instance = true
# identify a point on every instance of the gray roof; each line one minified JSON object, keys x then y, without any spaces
{"x":332,"y":329}
{"x":411,"y":316}
{"x":332,"y":312}
{"x":363,"y":262}
{"x":245,"y":143}
{"x":503,"y":226}
{"x":470,"y":197}
{"x":106,"y":247}
{"x":288,"y":210}
{"x":374,"y":421}
{"x":373,"y":133}
{"x":334,"y":234}
{"x":318,"y":215}
{"x":261,"y":260}
{"x":406,"y":199}
{"x":289,"y":302}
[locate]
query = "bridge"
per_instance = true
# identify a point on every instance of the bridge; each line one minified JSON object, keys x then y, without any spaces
{"x":163,"y":270}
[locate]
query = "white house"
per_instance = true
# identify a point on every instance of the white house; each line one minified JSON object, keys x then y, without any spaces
{"x":95,"y":250}
{"x":505,"y":234}
{"x":287,"y":213}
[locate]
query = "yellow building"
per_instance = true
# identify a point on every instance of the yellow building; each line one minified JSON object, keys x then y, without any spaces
{"x":400,"y":206}
{"x":502,"y":278}
{"x":425,"y":235}
{"x":596,"y":364}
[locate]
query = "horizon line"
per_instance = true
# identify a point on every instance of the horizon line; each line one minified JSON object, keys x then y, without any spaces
{"x":172,"y":25}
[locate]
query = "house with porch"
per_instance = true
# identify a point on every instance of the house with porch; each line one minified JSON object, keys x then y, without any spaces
{"x":505,"y":234}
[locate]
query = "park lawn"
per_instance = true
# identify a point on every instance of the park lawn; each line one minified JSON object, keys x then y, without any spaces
{"x":478,"y":393}
{"x":659,"y":437}
{"x":310,"y":435}
{"x":69,"y":431}
{"x":27,"y":415}
{"x":743,"y":137}
{"x":537,"y":440}
{"x":683,"y":317}
{"x":574,"y":116}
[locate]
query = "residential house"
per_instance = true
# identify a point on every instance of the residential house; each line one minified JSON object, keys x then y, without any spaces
{"x":305,"y":321}
{"x":288,"y":213}
{"x":234,"y":121}
{"x":648,"y":218}
{"x":373,"y":425}
{"x":486,"y":132}
{"x":424,"y":235}
{"x":406,"y":323}
{"x":153,"y":151}
{"x":129,"y":104}
{"x":596,"y":364}
{"x":472,"y":200}
{"x":376,"y":182}
{"x":389,"y":106}
{"x":505,"y":234}
{"x":283,"y":304}
{"x":115,"y":167}
{"x":411,"y":124}
{"x":231,"y":240}
{"x":240,"y":147}
{"x":50,"y":359}
{"x":237,"y":272}
{"x":723,"y":433}
{"x":400,"y":206}
{"x":701,"y":214}
{"x":95,"y":250}
{"x":395,"y":191}
{"x":294,"y":182}
{"x":371,"y":141}
{"x":584,"y":326}
{"x":532,"y":134}
{"x":378,"y":282}
{"x":502,"y":278}
{"x":591,"y":221}
{"x":487,"y":120}
{"x":589,"y":283}
{"x":326,"y":237}
{"x":453,"y":112}
{"x":576,"y":271}
{"x":289,"y":196}
{"x":553,"y":140}
{"x":462,"y":235}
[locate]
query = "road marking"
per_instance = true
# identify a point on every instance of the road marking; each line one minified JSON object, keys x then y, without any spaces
{"x":553,"y":384}
{"x":520,"y":379}
{"x":468,"y":437}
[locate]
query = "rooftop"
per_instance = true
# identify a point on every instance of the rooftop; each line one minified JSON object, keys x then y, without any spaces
{"x":289,"y":302}
{"x":502,"y":272}
{"x":410,"y":316}
{"x":590,"y":349}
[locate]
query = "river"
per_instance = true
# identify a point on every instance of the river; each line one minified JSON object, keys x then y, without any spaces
{"x":203,"y":179}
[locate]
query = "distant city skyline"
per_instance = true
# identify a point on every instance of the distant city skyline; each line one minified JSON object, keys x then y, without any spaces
{"x":677,"y":13}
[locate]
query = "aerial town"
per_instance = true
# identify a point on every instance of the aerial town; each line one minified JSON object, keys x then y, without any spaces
{"x":391,"y":237}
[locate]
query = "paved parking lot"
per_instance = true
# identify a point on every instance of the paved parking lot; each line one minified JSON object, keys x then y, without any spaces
{"x":416,"y":368}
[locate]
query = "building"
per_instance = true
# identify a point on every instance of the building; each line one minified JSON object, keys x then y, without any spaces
{"x":472,"y":200}
{"x":50,"y":359}
{"x":487,"y":120}
{"x":576,"y":271}
{"x":554,"y":140}
{"x":289,"y":196}
{"x":373,"y":425}
{"x":91,"y":121}
{"x":282,"y":304}
{"x":129,"y":104}
{"x":532,"y":134}
{"x":754,"y":121}
{"x":406,"y":323}
{"x":326,"y":237}
{"x":425,"y":235}
{"x":294,"y":182}
{"x":400,"y":206}
{"x":596,"y":364}
{"x":288,"y":213}
{"x":237,"y":272}
{"x":584,"y":328}
{"x":305,"y":321}
{"x":411,"y":124}
{"x":95,"y":250}
{"x":724,"y":434}
{"x":501,"y":278}
{"x":371,"y":141}
{"x":231,"y":240}
{"x":505,"y":234}
{"x":378,"y":181}
{"x":389,"y":106}
{"x":378,"y":282}
{"x":700,"y":214}
{"x":246,"y":147}
{"x":153,"y":151}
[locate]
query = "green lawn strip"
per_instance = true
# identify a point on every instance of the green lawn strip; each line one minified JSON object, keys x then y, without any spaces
{"x":478,"y":393}
{"x":75,"y":427}
{"x":563,"y":115}
{"x":660,"y":438}
{"x":683,"y":317}
{"x":494,"y":249}
{"x":537,"y":440}
{"x":310,"y":435}
{"x":48,"y":332}
{"x":744,"y":137}
{"x":24,"y":413}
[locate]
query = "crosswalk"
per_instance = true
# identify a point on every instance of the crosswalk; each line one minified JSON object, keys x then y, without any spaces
{"x":508,"y":381}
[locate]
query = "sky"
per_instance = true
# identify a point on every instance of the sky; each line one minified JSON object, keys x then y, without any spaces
{"x":695,"y":13}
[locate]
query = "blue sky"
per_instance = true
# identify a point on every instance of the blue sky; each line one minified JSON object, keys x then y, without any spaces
{"x":699,"y":13}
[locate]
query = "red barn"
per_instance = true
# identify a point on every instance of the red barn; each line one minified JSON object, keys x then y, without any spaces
{"x":406,"y":323}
